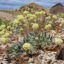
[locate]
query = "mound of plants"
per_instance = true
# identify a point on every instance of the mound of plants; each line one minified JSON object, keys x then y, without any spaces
{"x":38,"y":31}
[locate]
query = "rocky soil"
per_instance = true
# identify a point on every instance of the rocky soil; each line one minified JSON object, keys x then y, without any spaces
{"x":6,"y":16}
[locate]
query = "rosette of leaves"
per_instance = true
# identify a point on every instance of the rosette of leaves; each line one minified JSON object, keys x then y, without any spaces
{"x":43,"y":41}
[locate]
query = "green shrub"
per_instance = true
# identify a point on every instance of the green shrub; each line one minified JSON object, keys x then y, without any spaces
{"x":41,"y":42}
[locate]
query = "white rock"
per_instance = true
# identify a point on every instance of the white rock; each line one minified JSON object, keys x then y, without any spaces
{"x":31,"y":60}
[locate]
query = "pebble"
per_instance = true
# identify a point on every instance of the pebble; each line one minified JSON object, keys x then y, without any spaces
{"x":31,"y":60}
{"x":4,"y":62}
{"x":1,"y":57}
{"x":31,"y":63}
{"x":12,"y":63}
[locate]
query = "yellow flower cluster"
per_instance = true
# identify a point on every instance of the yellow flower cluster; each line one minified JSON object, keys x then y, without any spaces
{"x":20,"y":18}
{"x":59,"y":41}
{"x":26,"y":12}
{"x":5,"y":33}
{"x":54,"y":17}
{"x":48,"y":26}
{"x":40,"y":13}
{"x":53,"y":31}
{"x":31,"y":16}
{"x":27,"y":46}
{"x":36,"y":38}
{"x":35,"y":26}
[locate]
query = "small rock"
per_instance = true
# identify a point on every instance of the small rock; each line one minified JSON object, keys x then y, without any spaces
{"x":31,"y":60}
{"x":4,"y":62}
{"x":40,"y":57}
{"x":41,"y":52}
{"x":1,"y":57}
{"x":26,"y":58}
{"x":31,"y":63}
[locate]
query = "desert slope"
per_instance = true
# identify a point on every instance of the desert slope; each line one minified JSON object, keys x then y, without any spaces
{"x":57,"y":9}
{"x":6,"y":16}
{"x":9,"y":15}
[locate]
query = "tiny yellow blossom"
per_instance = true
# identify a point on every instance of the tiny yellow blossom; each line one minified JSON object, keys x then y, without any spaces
{"x":36,"y":38}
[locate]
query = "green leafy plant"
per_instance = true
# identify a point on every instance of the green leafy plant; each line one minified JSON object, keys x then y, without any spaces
{"x":15,"y":48}
{"x":36,"y":40}
{"x":3,"y":22}
{"x":60,"y":15}
{"x":43,"y":40}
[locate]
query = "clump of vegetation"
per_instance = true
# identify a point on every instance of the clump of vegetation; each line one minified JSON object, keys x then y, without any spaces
{"x":38,"y":27}
{"x":59,"y":41}
{"x":60,"y":15}
{"x":31,"y":43}
{"x":38,"y":40}
{"x":4,"y":33}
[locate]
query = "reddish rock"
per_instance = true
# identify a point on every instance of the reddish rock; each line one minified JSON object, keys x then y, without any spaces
{"x":58,"y":8}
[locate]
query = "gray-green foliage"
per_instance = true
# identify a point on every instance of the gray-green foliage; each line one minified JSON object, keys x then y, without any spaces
{"x":15,"y":48}
{"x":43,"y":41}
{"x":17,"y":28}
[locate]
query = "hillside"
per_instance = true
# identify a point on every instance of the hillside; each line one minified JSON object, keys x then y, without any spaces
{"x":32,"y":7}
{"x":9,"y":15}
{"x":56,"y":9}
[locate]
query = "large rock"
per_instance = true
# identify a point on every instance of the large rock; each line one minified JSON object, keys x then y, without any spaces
{"x":58,"y":8}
